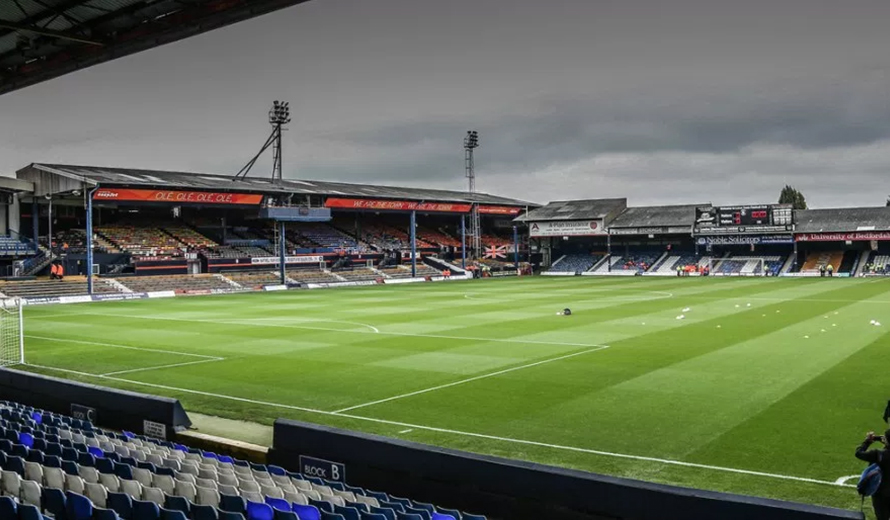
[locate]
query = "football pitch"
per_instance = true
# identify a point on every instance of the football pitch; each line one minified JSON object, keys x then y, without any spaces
{"x":758,"y":386}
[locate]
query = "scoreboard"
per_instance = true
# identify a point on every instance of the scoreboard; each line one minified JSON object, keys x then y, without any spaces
{"x":753,"y":216}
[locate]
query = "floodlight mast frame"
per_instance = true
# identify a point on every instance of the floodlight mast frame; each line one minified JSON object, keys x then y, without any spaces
{"x":471,"y":142}
{"x":279,"y":116}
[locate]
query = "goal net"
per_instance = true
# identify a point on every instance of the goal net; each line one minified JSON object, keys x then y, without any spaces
{"x":737,"y":266}
{"x":12,"y":333}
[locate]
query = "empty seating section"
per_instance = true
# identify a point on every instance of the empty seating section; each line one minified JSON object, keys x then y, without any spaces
{"x":437,"y":237}
{"x":142,"y":241}
{"x":51,"y":288}
{"x":74,"y":239}
{"x":494,"y":240}
{"x":13,"y":247}
{"x":575,"y":263}
{"x":750,"y":265}
{"x":190,"y":237}
{"x":328,"y":237}
{"x":67,"y":468}
{"x":312,"y":276}
{"x":633,"y":262}
{"x":673,"y":261}
{"x":877,"y":263}
{"x":390,"y":237}
{"x":404,"y":271}
{"x":822,"y":258}
{"x":254,"y":279}
{"x":183,"y":282}
{"x":359,"y":274}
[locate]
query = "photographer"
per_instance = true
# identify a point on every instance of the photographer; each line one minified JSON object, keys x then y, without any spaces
{"x":881,"y":499}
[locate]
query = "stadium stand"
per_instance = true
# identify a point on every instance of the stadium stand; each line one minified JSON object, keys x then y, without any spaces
{"x":68,"y":468}
{"x":10,"y":246}
{"x":358,"y":274}
{"x":184,"y":282}
{"x":748,"y":265}
{"x":148,"y":241}
{"x":52,"y":288}
{"x":253,"y":279}
{"x":575,"y":263}
{"x":312,"y":276}
{"x":670,"y":263}
{"x":816,"y":260}
{"x":189,"y":237}
{"x":639,"y":261}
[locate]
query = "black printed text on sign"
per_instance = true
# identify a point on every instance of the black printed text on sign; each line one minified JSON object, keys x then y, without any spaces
{"x":325,"y":469}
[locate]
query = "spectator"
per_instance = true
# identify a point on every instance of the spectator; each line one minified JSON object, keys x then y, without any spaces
{"x":881,"y":499}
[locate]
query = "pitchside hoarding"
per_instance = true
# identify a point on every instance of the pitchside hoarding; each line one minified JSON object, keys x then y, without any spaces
{"x":844,"y":237}
{"x":569,"y":228}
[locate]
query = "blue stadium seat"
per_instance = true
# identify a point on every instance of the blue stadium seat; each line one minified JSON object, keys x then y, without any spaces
{"x":124,"y":471}
{"x":407,"y":516}
{"x":19,"y":450}
{"x":204,"y":513}
{"x":439,"y":516}
{"x":143,"y":510}
{"x":453,"y":513}
{"x":285,"y":515}
{"x":104,"y":514}
{"x":371,"y":516}
{"x":395,"y":506}
{"x":168,"y":514}
{"x":349,"y":513}
{"x":77,"y":507}
{"x":15,"y":464}
{"x":473,"y":517}
{"x":390,"y":514}
{"x":54,"y":502}
{"x":322,"y":505}
{"x":28,"y":512}
{"x":35,"y":455}
{"x":276,"y":470}
{"x":8,"y":508}
{"x":105,"y":466}
{"x":69,"y":467}
{"x":356,"y":505}
{"x":422,"y":512}
{"x":278,"y":503}
{"x":121,"y":503}
{"x":404,"y":501}
{"x":95,"y":452}
{"x":85,"y":459}
{"x":69,"y":454}
{"x":423,"y":505}
{"x":259,"y":511}
{"x":229,"y":515}
{"x":27,"y":440}
{"x":329,"y":516}
{"x":231,"y":503}
{"x":306,"y":512}
{"x":176,"y":503}
{"x":377,"y":494}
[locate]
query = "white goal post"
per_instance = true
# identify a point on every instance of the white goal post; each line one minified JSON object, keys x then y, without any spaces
{"x":737,"y":266}
{"x":12,"y":332}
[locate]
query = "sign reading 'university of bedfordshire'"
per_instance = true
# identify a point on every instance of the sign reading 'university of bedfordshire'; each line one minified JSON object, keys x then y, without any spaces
{"x":322,"y":469}
{"x":568,"y":228}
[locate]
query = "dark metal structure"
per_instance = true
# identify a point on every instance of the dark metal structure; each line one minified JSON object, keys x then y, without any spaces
{"x":44,"y":39}
{"x":471,"y":142}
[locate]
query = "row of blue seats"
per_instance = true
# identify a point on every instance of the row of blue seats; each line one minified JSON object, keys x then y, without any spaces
{"x":27,"y":417}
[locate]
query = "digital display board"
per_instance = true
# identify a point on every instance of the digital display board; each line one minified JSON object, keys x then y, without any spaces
{"x":744,"y":216}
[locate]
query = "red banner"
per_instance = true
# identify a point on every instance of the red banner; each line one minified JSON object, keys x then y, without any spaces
{"x":499,"y":210}
{"x":396,"y":205}
{"x":843,"y":237}
{"x":177,"y":197}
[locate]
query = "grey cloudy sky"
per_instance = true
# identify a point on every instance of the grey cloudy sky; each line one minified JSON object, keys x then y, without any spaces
{"x":661,"y":101}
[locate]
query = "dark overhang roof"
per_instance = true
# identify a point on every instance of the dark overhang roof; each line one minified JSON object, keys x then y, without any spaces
{"x":575,"y":210}
{"x":43,"y":39}
{"x":120,"y":177}
{"x":657,"y":216}
{"x":847,"y":220}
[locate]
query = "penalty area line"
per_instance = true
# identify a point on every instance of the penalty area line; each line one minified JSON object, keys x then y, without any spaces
{"x":113,"y":345}
{"x":161,"y":367}
{"x":470,"y":379}
{"x":641,"y":458}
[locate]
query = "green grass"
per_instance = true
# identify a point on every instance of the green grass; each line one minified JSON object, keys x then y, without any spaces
{"x":778,"y":376}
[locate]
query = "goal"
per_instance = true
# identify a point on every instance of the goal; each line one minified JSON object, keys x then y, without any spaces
{"x":737,"y":266}
{"x":12,"y":332}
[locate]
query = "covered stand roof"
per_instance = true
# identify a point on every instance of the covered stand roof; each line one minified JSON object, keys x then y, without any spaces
{"x":43,"y":39}
{"x":657,"y":216}
{"x":845,"y":220}
{"x":576,"y":210}
{"x":56,"y":178}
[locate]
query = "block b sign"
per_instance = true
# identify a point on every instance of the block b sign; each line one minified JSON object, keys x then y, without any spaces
{"x":321,"y":468}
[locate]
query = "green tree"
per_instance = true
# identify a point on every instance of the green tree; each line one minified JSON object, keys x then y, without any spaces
{"x":794,"y":197}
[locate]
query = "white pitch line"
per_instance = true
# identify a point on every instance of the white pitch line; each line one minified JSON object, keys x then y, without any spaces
{"x":842,"y":481}
{"x":311,"y":320}
{"x":470,"y":379}
{"x":409,"y":430}
{"x":144,"y":369}
{"x":669,"y":462}
{"x":113,"y":345}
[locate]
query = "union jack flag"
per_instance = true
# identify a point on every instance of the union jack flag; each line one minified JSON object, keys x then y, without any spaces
{"x":494,"y":252}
